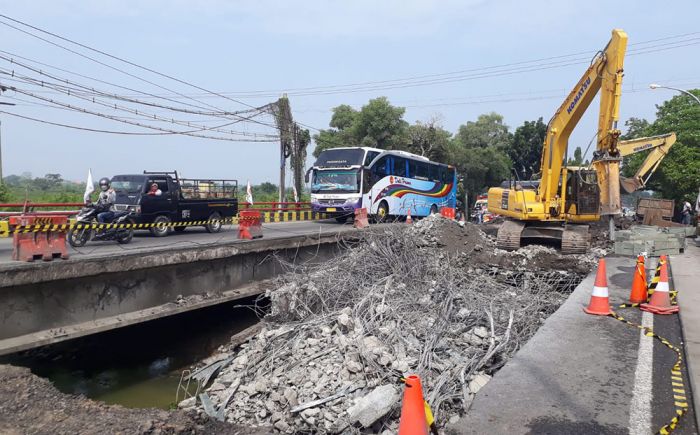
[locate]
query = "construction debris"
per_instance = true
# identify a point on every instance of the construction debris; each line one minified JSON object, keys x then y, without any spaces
{"x":424,"y":299}
{"x":653,"y":240}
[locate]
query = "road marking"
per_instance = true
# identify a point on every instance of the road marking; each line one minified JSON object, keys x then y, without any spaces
{"x":640,"y":406}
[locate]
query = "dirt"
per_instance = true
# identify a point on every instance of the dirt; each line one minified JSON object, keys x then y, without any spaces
{"x":32,"y":405}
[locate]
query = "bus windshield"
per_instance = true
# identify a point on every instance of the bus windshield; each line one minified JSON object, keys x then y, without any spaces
{"x":334,"y":181}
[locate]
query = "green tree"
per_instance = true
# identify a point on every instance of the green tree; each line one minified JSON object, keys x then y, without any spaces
{"x":4,"y":193}
{"x":678,"y":176}
{"x":487,"y":131}
{"x":577,"y":160}
{"x":479,"y":152}
{"x":526,"y":148}
{"x":636,"y":127}
{"x":377,"y":124}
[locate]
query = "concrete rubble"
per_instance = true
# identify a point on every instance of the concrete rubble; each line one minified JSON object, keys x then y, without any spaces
{"x":420,"y":299}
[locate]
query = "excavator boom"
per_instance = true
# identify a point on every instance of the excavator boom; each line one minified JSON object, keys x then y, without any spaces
{"x":659,"y":146}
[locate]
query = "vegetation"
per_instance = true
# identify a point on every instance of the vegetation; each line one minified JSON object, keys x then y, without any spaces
{"x":678,"y":177}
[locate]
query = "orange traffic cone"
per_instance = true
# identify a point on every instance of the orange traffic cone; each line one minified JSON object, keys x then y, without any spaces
{"x":639,"y":283}
{"x":660,"y":302}
{"x":413,"y":420}
{"x":600,"y":303}
{"x":409,"y":219}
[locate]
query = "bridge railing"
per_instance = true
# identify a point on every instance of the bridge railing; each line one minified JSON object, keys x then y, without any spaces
{"x":25,"y":207}
{"x":277,"y":206}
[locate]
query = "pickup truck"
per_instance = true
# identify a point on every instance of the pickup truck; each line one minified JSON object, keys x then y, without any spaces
{"x":175,"y":200}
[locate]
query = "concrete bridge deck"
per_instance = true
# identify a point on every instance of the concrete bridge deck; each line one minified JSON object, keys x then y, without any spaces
{"x":106,"y":286}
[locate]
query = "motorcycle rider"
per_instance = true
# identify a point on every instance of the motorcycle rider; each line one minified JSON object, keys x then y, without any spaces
{"x":106,"y":201}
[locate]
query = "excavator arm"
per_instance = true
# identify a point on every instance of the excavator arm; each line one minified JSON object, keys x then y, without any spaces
{"x":659,"y":146}
{"x":604,"y":74}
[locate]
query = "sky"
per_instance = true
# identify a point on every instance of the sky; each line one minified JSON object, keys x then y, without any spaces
{"x":254,"y":51}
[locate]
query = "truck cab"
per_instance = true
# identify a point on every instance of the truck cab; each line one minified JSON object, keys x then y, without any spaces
{"x":177,"y":201}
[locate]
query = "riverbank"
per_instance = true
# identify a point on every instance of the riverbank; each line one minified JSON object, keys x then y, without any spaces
{"x":32,"y":405}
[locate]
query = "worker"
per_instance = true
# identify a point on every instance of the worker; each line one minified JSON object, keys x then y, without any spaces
{"x":155,"y":191}
{"x":685,"y":214}
{"x":106,"y":201}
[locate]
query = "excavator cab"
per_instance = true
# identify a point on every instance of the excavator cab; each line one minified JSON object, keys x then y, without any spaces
{"x":582,"y":191}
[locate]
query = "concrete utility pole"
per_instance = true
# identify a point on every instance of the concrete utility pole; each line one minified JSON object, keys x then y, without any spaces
{"x":2,"y":89}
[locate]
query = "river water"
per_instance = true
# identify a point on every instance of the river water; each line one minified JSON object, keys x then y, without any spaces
{"x":138,"y":366}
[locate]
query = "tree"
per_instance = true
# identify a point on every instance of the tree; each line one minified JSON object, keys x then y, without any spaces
{"x":577,"y":160}
{"x":479,"y":152}
{"x":381,"y":125}
{"x":377,"y":124}
{"x":636,"y":127}
{"x":526,"y":148}
{"x":678,"y":176}
{"x":429,"y":139}
{"x":487,"y":131}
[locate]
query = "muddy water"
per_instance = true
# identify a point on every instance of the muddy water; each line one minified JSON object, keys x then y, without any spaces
{"x":138,"y":366}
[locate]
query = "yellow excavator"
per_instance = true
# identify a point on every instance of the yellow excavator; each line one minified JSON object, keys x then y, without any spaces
{"x":659,"y":146}
{"x":558,"y":206}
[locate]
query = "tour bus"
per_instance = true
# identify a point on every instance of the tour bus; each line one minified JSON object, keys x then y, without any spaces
{"x":386,"y":183}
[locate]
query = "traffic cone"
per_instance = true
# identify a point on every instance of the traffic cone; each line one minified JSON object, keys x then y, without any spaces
{"x":600,"y":303}
{"x":639,"y":283}
{"x":409,"y":219}
{"x":660,"y":302}
{"x":413,"y":420}
{"x":657,"y":276}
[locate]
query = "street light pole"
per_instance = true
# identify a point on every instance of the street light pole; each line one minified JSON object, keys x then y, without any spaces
{"x":655,"y":86}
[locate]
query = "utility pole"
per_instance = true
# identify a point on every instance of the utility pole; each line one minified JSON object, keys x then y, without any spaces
{"x":2,"y":89}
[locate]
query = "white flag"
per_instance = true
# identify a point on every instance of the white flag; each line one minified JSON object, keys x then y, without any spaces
{"x":697,"y":204}
{"x":296,"y":196}
{"x":89,"y":187}
{"x":249,"y":194}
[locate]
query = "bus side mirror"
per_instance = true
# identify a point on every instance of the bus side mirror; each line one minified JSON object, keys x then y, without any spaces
{"x":306,"y":176}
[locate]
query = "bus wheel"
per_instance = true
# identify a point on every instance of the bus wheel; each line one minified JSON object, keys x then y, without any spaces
{"x":382,"y":212}
{"x":433,"y":209}
{"x":161,"y":231}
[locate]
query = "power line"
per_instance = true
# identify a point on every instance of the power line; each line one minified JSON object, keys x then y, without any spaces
{"x":43,"y":121}
{"x":116,"y":58}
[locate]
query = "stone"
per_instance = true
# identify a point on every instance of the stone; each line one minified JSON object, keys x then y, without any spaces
{"x":481,"y":332}
{"x":291,"y":395}
{"x":372,"y":344}
{"x":454,"y":419}
{"x":463,"y":313}
{"x":187,"y":403}
{"x":282,"y":426}
{"x":478,"y":382}
{"x":310,"y":412}
{"x":217,"y":386}
{"x":276,"y":416}
{"x":373,"y":406}
{"x":353,"y":366}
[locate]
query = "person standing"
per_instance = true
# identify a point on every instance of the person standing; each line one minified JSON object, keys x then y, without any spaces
{"x":685,"y":214}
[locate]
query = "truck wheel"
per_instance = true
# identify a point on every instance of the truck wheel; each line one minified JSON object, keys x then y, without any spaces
{"x":161,"y":231}
{"x":214,"y":227}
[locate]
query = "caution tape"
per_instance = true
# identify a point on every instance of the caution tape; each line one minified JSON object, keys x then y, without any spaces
{"x":265,"y":217}
{"x":680,"y":400}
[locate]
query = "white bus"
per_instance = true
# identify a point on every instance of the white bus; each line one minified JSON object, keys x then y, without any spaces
{"x":386,"y":183}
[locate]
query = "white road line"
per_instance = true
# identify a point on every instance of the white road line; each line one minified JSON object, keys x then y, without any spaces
{"x":640,"y":406}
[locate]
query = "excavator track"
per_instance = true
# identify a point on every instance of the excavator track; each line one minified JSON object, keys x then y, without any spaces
{"x":575,"y":239}
{"x":508,"y":237}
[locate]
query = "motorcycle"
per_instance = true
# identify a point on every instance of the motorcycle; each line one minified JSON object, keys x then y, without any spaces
{"x":78,"y":237}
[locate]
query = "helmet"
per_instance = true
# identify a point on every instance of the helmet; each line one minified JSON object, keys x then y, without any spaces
{"x":104,"y":183}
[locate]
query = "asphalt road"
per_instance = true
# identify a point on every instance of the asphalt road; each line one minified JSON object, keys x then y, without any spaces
{"x":192,"y":236}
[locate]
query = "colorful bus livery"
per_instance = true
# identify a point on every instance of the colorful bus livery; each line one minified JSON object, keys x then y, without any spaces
{"x":386,"y":183}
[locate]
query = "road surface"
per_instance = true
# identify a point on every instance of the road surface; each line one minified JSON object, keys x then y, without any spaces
{"x":192,"y":236}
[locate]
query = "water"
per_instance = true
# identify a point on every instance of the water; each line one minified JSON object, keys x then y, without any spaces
{"x":137,"y":366}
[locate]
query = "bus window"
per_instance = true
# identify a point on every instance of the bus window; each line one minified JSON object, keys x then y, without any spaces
{"x":399,"y":166}
{"x":412,"y":169}
{"x":443,"y":174}
{"x":380,"y":169}
{"x":422,"y":171}
{"x":450,"y":175}
{"x":370,"y":156}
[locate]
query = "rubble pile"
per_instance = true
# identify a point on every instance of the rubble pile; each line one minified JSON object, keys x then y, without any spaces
{"x":403,"y":299}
